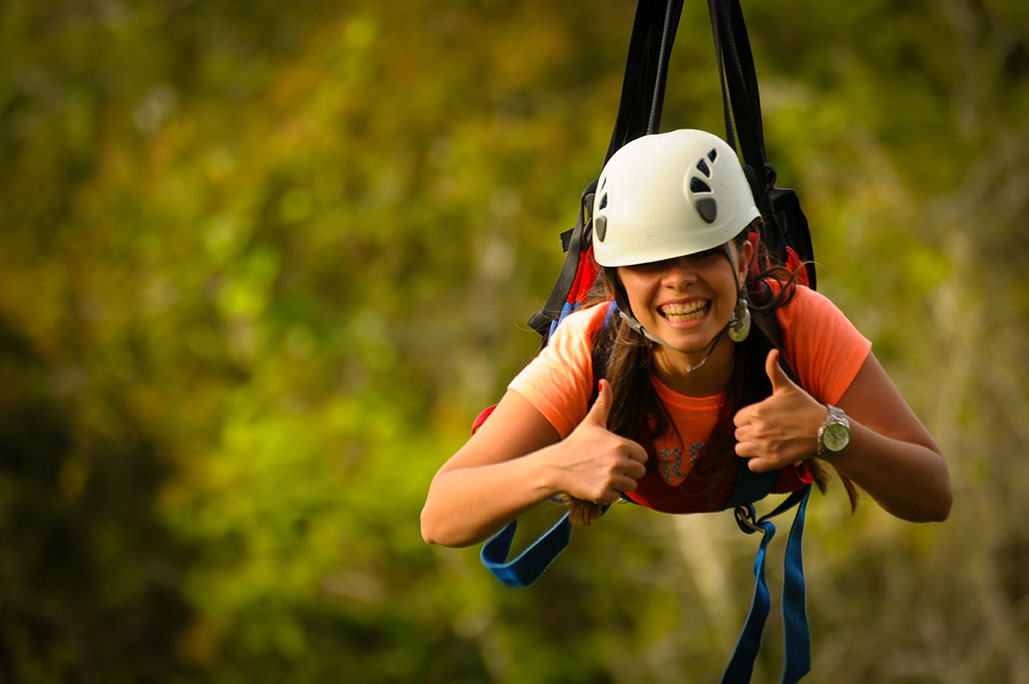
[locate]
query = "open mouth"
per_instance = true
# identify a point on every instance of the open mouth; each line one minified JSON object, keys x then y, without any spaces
{"x":685,"y":312}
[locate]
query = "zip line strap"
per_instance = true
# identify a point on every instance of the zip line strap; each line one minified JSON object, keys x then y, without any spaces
{"x":796,"y":633}
{"x":646,"y":71}
{"x":785,"y":226}
{"x":740,"y":88}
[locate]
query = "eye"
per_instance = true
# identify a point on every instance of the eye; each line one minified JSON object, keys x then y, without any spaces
{"x":651,"y":266}
{"x":708,"y":253}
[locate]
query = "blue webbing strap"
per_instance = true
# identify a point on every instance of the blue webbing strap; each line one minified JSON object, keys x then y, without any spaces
{"x":796,"y":636}
{"x":527,"y":567}
{"x":566,"y":308}
{"x":530,"y":564}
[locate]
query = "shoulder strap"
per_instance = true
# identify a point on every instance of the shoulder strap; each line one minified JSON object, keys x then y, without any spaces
{"x":577,"y":273}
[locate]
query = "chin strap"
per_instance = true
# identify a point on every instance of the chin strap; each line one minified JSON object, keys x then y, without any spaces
{"x":637,"y":327}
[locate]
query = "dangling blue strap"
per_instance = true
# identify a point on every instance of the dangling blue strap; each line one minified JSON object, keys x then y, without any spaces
{"x":527,"y":567}
{"x":796,"y":636}
{"x":530,"y":564}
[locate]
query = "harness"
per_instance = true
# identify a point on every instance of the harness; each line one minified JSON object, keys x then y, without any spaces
{"x":747,"y":488}
{"x":785,"y":235}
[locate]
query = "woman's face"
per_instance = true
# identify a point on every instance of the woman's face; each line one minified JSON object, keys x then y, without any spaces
{"x":688,"y":300}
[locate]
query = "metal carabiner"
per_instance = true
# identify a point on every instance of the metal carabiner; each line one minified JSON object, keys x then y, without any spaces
{"x":746,"y":519}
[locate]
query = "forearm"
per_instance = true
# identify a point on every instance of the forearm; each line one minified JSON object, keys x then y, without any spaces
{"x":909,"y":480}
{"x":467,"y":505}
{"x":516,"y":460}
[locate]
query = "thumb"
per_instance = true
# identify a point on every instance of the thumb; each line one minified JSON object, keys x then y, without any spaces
{"x":775,"y":372}
{"x":601,"y":407}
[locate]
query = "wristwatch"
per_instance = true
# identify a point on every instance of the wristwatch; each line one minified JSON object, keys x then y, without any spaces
{"x":834,"y":435}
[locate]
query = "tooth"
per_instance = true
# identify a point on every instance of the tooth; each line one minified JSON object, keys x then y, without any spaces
{"x":679,"y":309}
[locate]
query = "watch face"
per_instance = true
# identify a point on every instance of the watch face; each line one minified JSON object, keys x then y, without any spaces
{"x":836,"y":437}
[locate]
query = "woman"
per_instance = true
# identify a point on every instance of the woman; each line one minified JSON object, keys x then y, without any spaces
{"x":689,"y":392}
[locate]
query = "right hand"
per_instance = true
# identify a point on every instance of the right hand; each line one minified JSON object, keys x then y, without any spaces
{"x":596,"y":464}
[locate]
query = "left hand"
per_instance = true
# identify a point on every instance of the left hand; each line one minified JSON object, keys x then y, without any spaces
{"x":783,"y":428}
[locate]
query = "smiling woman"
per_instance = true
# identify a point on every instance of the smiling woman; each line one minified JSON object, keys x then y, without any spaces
{"x":680,"y":370}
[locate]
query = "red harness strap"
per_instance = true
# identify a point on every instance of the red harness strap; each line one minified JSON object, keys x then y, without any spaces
{"x":699,"y":493}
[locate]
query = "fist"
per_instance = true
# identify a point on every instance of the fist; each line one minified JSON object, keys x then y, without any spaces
{"x":595,"y":464}
{"x":783,"y":428}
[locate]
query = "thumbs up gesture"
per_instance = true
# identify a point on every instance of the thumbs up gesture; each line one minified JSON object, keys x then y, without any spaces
{"x":783,"y":428}
{"x":593,"y":463}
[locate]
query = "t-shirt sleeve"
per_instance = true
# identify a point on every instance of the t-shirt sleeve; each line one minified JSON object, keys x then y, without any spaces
{"x":558,"y":382}
{"x":824,"y":348}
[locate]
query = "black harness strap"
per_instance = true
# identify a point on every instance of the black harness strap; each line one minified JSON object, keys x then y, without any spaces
{"x":646,"y":71}
{"x":785,"y":224}
{"x":575,"y":242}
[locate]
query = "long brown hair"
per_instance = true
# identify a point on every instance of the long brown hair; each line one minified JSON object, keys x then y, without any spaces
{"x":624,"y":357}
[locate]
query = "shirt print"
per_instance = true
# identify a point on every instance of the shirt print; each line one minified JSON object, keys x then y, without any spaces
{"x":670,"y":463}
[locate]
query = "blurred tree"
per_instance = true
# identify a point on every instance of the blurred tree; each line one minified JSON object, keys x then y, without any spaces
{"x":263,"y":262}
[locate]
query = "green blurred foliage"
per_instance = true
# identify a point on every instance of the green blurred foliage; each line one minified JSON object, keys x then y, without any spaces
{"x":263,"y":262}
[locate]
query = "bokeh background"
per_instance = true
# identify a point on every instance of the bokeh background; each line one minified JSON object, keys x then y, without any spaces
{"x":261,"y":263}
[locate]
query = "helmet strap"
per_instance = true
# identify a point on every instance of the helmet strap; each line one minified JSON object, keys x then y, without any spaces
{"x":738,"y":325}
{"x":636,"y":326}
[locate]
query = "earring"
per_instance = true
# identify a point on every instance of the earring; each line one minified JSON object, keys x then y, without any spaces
{"x":739,"y":324}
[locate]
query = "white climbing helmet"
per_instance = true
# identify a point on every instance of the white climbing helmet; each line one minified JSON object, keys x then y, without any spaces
{"x":668,"y":195}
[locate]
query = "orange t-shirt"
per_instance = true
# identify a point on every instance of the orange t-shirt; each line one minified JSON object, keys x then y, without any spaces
{"x":822,"y":346}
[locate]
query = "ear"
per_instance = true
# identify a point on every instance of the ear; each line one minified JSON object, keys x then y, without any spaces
{"x":746,"y":256}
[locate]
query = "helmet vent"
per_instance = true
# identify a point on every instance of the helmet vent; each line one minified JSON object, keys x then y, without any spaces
{"x":707,"y":207}
{"x":697,"y":185}
{"x":603,"y":202}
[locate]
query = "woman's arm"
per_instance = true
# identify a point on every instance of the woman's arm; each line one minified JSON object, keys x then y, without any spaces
{"x":891,"y":455}
{"x":515,"y":460}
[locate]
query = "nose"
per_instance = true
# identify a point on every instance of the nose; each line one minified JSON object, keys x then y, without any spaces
{"x":680,"y":271}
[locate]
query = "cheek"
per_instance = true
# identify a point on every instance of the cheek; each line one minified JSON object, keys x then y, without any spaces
{"x":632,"y":283}
{"x":638,"y":289}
